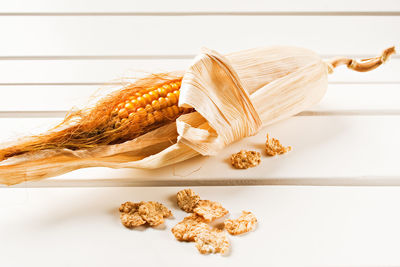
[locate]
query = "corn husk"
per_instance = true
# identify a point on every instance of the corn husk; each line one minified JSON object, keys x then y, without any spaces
{"x":234,"y":97}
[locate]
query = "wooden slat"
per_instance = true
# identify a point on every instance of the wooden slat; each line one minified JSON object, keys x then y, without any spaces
{"x":326,"y":150}
{"x":84,"y":71}
{"x":359,"y":99}
{"x":316,"y":226}
{"x":152,"y":6}
{"x":351,"y":98}
{"x":182,"y":35}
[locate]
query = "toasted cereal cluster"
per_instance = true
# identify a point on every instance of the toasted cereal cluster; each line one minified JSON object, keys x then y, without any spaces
{"x":129,"y":214}
{"x":187,"y":199}
{"x":154,"y":212}
{"x":245,"y":223}
{"x":245,"y":159}
{"x":194,"y":228}
{"x":189,"y":228}
{"x":136,"y":214}
{"x":274,"y":147}
{"x":210,"y":210}
{"x":214,"y":241}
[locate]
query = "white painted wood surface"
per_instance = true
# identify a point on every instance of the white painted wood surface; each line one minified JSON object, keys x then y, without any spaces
{"x":54,"y":54}
{"x":183,"y":35}
{"x":298,"y":226}
{"x":206,"y":6}
{"x":97,"y":71}
{"x":341,"y":150}
{"x":54,"y":57}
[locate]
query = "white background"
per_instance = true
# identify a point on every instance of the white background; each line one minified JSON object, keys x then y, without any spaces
{"x":55,"y":54}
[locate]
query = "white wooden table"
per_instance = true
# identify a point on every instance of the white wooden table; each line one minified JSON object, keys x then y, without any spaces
{"x":333,"y":200}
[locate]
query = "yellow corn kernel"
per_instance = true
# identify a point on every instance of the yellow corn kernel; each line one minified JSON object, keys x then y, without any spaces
{"x":172,"y":98}
{"x":167,"y":87}
{"x":123,"y":113}
{"x":147,"y":98}
{"x":163,"y":102}
{"x":158,"y":116}
{"x":141,"y":101}
{"x":161,"y":92}
{"x":154,"y":94}
{"x":155,"y":104}
{"x":141,"y":112}
{"x":150,"y":119}
{"x":129,"y":106}
{"x":174,"y":86}
{"x":149,"y":108}
{"x":170,"y":113}
{"x":175,"y":109}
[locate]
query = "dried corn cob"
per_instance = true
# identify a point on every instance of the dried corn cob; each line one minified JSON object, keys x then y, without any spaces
{"x":234,"y":96}
{"x":147,"y":109}
{"x":131,"y":114}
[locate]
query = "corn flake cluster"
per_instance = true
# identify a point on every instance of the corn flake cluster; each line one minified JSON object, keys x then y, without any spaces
{"x":195,"y":227}
{"x":190,"y":227}
{"x":187,"y":199}
{"x":274,"y":147}
{"x":214,"y":241}
{"x":210,"y":210}
{"x":136,"y":214}
{"x":245,"y":223}
{"x":245,"y":159}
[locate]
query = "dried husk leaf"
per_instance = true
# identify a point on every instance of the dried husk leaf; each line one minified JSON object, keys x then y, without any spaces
{"x":233,"y":95}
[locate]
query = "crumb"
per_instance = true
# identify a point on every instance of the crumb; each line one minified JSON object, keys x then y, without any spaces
{"x":130,"y":216}
{"x":245,"y":223}
{"x":189,"y":228}
{"x":187,"y":199}
{"x":274,"y":147}
{"x":245,"y":159}
{"x":136,"y":214}
{"x":131,"y":220}
{"x":210,"y":210}
{"x":154,"y":212}
{"x":214,"y":241}
{"x":129,"y":206}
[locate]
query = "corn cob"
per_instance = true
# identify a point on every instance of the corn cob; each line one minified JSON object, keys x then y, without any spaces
{"x":147,"y":109}
{"x":149,"y":106}
{"x":135,"y":113}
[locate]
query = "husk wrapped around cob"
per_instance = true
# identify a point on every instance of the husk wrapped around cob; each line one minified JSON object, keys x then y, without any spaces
{"x":222,"y":99}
